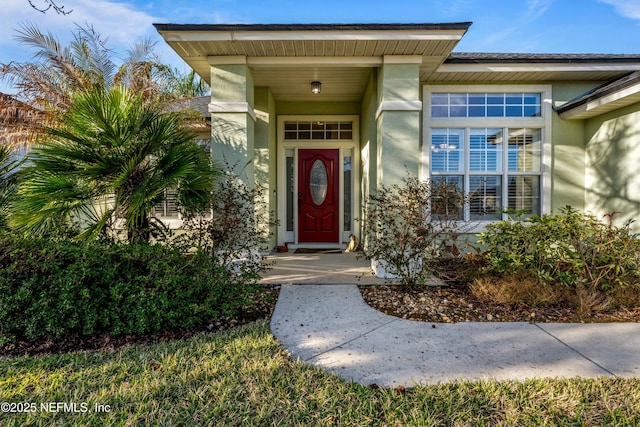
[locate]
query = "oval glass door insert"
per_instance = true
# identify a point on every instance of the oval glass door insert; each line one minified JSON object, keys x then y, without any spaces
{"x":318,"y":182}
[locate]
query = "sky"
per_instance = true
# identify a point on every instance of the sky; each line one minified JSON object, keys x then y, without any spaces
{"x":518,"y":26}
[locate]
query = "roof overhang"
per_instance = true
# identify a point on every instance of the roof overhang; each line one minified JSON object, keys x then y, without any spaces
{"x":506,"y":67}
{"x":611,"y":96}
{"x":288,"y":57}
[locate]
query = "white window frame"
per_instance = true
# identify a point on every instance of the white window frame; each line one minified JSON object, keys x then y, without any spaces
{"x":544,"y":122}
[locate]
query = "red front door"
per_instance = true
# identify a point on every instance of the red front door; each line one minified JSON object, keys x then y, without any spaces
{"x":318,"y":178}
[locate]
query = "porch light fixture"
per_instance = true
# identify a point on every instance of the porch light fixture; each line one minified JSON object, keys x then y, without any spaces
{"x":315,"y":87}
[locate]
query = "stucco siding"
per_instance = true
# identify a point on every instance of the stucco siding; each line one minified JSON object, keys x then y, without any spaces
{"x":568,"y":150}
{"x":613,"y":164}
{"x":398,"y":146}
{"x":568,"y":172}
{"x":368,"y":137}
{"x":234,"y":82}
{"x":398,"y":122}
{"x":232,"y":124}
{"x":399,"y":82}
{"x":265,"y":158}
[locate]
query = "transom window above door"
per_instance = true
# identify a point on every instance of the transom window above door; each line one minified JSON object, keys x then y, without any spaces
{"x":318,"y":130}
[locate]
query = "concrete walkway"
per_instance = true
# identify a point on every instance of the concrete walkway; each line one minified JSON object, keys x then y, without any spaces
{"x":343,"y":268}
{"x":330,"y":325}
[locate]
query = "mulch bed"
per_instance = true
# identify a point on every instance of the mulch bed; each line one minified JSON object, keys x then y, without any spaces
{"x":455,"y":303}
{"x":264,"y":302}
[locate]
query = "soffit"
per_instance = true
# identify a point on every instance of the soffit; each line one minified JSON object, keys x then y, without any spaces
{"x":290,"y":80}
{"x":523,"y":76}
{"x":304,"y":48}
{"x":506,"y":67}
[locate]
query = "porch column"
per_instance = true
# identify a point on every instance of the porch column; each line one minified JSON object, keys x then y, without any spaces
{"x":398,"y":119}
{"x":266,"y":153}
{"x":232,"y":114}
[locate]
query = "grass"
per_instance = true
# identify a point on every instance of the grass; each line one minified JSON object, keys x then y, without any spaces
{"x":243,"y":377}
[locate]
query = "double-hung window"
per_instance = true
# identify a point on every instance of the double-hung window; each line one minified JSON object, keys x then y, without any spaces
{"x":491,"y":145}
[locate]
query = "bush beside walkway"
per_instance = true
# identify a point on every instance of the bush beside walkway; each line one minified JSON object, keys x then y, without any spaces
{"x":60,"y":290}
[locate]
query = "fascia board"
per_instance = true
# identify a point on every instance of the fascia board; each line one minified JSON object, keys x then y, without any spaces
{"x":532,"y":67}
{"x":316,"y":61}
{"x":174,"y":36}
{"x":593,"y":106}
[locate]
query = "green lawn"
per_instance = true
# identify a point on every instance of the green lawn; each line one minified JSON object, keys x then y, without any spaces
{"x":243,"y":377}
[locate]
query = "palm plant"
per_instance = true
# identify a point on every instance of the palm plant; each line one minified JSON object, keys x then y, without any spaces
{"x":111,"y":158}
{"x":8,"y":168}
{"x":186,"y":85}
{"x":46,"y":85}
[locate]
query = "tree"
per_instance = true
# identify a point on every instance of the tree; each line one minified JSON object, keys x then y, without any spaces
{"x":8,"y":167}
{"x":111,"y":157}
{"x":49,"y":5}
{"x":186,"y":85}
{"x":45,"y":86}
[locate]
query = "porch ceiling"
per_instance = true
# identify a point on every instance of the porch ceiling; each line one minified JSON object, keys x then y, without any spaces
{"x":338,"y":84}
{"x":287,"y":58}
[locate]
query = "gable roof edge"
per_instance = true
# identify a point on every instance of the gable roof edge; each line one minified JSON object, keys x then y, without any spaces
{"x":456,"y":26}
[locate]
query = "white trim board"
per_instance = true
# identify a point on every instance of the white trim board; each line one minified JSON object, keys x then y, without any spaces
{"x":398,"y":106}
{"x":232,"y":107}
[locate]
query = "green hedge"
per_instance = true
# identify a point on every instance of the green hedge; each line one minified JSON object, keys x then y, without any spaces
{"x":53,"y":289}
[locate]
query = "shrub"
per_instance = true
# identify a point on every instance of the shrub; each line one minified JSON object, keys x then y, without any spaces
{"x":513,"y":289}
{"x":239,"y":227}
{"x":589,"y":258}
{"x":407,"y":227}
{"x":52,"y":289}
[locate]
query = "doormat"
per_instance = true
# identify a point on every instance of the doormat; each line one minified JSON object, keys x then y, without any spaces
{"x":317,"y":251}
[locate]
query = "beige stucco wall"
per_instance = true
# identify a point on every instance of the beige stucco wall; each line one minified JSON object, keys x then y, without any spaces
{"x":613,"y":164}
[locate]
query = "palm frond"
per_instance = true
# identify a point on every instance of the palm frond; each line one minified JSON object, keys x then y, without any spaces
{"x":48,"y":83}
{"x":48,"y":200}
{"x":111,"y":144}
{"x":92,"y":55}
